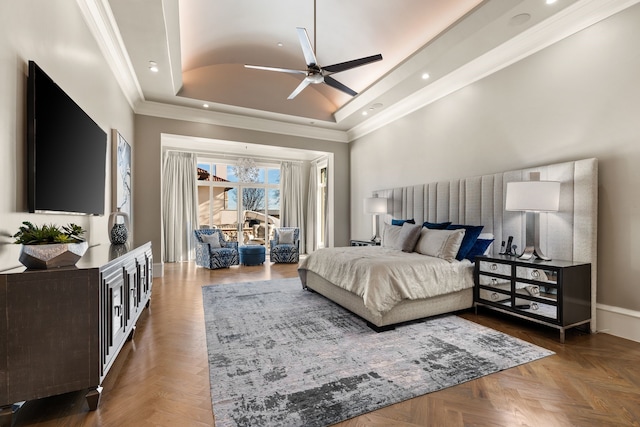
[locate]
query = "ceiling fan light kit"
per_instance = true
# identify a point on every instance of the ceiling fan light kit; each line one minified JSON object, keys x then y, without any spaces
{"x":315,"y":74}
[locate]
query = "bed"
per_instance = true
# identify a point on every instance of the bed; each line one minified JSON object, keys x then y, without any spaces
{"x":569,"y":234}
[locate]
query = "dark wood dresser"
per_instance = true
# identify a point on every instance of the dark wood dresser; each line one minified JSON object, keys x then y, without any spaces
{"x":61,"y":329}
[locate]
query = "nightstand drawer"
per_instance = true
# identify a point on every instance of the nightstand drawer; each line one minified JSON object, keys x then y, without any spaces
{"x":364,"y":243}
{"x":494,"y":282}
{"x":538,"y":308}
{"x":495,"y":267}
{"x":537,"y":274}
{"x":547,"y":292}
{"x":495,"y":296}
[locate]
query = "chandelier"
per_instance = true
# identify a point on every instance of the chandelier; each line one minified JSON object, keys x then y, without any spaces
{"x":246,"y":170}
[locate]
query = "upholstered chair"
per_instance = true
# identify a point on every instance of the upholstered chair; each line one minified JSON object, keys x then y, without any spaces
{"x":212,"y":251}
{"x":285,"y":245}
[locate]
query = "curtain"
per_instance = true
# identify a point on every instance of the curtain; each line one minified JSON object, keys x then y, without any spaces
{"x":179,"y":205}
{"x":312,"y":206}
{"x":326,"y":209}
{"x":291,"y":209}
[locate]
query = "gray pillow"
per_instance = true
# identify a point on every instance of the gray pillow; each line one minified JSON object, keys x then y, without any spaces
{"x":212,"y":239}
{"x":409,"y":236}
{"x":285,"y":237}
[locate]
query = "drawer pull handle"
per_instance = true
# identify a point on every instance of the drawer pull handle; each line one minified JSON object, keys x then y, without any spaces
{"x":534,"y":306}
{"x":535,"y":274}
{"x":493,"y":267}
{"x":494,"y":281}
{"x":494,"y":296}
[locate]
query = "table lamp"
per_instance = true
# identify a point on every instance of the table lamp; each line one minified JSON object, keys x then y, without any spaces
{"x":375,"y":206}
{"x":533,"y":197}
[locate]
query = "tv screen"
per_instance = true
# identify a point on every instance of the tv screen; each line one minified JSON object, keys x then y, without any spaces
{"x":66,"y":151}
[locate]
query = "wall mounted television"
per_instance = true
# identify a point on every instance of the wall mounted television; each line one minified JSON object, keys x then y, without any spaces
{"x":66,"y":151}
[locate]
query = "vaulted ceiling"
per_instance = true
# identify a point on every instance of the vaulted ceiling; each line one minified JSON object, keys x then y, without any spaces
{"x":200,"y":48}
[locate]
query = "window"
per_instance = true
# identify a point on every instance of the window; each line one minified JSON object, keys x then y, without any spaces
{"x":243,"y":203}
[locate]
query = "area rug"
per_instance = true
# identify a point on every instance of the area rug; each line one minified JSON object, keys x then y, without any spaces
{"x":283,"y":356}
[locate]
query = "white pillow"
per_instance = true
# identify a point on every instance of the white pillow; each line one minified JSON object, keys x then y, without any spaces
{"x":391,"y":236}
{"x":440,"y":243}
{"x":285,"y":237}
{"x":212,"y":239}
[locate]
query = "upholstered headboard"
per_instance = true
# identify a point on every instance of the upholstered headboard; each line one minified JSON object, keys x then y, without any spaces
{"x":570,"y":234}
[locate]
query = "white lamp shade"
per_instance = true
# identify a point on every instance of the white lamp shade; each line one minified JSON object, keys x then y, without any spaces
{"x":375,"y":205}
{"x":534,"y":196}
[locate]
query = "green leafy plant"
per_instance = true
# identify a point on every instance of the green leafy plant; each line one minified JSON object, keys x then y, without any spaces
{"x":30,"y":234}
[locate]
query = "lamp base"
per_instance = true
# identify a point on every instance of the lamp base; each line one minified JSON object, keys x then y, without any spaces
{"x":533,"y":252}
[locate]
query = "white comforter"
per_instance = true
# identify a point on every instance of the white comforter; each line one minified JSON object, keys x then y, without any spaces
{"x":383,"y":276}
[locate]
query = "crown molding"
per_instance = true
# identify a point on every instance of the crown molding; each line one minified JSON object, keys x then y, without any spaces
{"x":99,"y":18}
{"x":167,"y":111}
{"x":567,"y":22}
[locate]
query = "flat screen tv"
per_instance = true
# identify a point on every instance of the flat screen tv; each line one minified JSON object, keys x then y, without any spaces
{"x":66,"y":151}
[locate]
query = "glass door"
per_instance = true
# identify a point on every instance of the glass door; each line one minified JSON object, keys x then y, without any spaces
{"x":244,"y":204}
{"x":255,"y":218}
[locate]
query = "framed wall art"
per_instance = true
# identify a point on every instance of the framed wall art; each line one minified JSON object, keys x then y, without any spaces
{"x":122,"y":174}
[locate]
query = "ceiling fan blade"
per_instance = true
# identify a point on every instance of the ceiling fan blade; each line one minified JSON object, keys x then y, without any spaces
{"x":343,"y":66}
{"x":280,"y":70}
{"x":301,"y":86}
{"x":337,"y":85}
{"x":307,"y":50}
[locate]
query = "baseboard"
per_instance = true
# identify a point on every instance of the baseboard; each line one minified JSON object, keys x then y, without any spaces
{"x":618,"y":321}
{"x":158,"y":269}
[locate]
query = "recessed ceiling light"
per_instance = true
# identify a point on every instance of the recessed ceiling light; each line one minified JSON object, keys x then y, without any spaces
{"x":519,"y":19}
{"x":153,"y":67}
{"x":551,"y":1}
{"x":205,"y":105}
{"x":280,"y":44}
{"x":425,"y":76}
{"x":364,"y":113}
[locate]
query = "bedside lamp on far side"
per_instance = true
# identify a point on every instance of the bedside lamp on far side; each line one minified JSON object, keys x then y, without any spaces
{"x":533,"y":197}
{"x":375,"y":206}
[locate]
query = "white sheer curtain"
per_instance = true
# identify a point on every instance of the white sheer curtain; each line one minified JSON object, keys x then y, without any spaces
{"x":179,"y":205}
{"x":291,"y":199}
{"x":312,"y":209}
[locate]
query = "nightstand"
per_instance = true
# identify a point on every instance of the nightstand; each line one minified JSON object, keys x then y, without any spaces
{"x":364,"y":243}
{"x":555,"y":293}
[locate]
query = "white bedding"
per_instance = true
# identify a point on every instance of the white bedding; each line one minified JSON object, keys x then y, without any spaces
{"x":383,"y":276}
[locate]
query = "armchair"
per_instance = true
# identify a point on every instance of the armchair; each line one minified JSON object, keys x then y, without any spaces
{"x":285,"y":245}
{"x":212,"y":251}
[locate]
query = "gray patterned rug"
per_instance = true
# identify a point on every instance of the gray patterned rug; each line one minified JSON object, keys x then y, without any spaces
{"x":282,"y":356}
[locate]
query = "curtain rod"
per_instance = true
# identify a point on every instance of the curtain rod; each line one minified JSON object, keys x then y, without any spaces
{"x":232,"y":156}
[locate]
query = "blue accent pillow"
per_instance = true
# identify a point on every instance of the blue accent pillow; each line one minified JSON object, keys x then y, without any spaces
{"x":478,"y":248}
{"x":470,"y":236}
{"x":402,"y":221}
{"x":436,"y":225}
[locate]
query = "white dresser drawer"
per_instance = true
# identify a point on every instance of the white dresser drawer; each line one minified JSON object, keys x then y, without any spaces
{"x":538,"y":274}
{"x":495,"y":267}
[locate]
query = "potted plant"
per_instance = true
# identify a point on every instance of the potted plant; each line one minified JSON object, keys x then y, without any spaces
{"x":50,"y":246}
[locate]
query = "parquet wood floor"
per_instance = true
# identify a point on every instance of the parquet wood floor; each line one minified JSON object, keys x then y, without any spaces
{"x":161,"y":377}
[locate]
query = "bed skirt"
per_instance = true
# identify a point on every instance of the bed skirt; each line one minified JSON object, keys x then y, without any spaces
{"x":405,"y":311}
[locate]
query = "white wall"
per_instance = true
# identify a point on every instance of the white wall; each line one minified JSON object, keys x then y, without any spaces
{"x":54,"y":35}
{"x":577,"y":99}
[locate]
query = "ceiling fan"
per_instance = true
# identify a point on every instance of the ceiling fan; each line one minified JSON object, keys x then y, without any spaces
{"x":314,"y":73}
